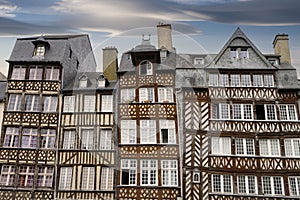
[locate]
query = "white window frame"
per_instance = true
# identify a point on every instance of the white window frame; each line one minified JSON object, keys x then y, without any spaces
{"x":50,"y":103}
{"x":106,"y":140}
{"x":292,"y":147}
{"x":196,"y":177}
{"x":220,"y":111}
{"x":130,"y":166}
{"x":258,"y":80}
{"x":35,"y":73}
{"x":65,"y":179}
{"x":294,"y":185}
{"x":244,"y":53}
{"x":271,"y":190}
{"x":28,"y":173}
{"x":107,"y":103}
{"x":147,"y":131}
{"x":221,"y":145}
{"x":269,"y":147}
{"x":69,"y":104}
{"x":222,"y":186}
{"x":47,"y":139}
{"x":235,"y":80}
{"x":223,"y":80}
{"x":244,"y":146}
{"x":246,"y":80}
{"x":40,"y":50}
{"x":213,"y":79}
{"x":18,"y":73}
{"x":165,"y":94}
{"x":198,"y":61}
{"x":107,"y":178}
{"x":83,"y":83}
{"x":146,"y":95}
{"x":45,"y":176}
{"x":128,"y":132}
{"x":148,"y":65}
{"x":234,"y":53}
{"x":242,"y":112}
{"x":11,"y":138}
{"x":89,"y":103}
{"x":169,"y":172}
{"x":270,"y":112}
{"x":88,"y":178}
{"x":32,"y":102}
{"x":168,"y":125}
{"x":8,"y":175}
{"x":14,"y":102}
{"x":32,"y":135}
{"x":87,"y":139}
{"x":69,"y":139}
{"x":149,"y":172}
{"x":52,"y":73}
{"x":288,"y":112}
{"x":127,"y":95}
{"x":269,"y":80}
{"x":246,"y":182}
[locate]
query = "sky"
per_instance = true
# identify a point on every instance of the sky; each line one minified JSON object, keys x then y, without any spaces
{"x":199,"y":26}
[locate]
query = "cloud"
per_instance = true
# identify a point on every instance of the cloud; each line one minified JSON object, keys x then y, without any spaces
{"x":7,"y":9}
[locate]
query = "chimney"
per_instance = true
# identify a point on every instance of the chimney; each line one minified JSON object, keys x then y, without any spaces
{"x":110,"y":63}
{"x":164,"y":36}
{"x":281,"y":47}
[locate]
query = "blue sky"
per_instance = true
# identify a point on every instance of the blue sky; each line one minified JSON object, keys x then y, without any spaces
{"x":199,"y":25}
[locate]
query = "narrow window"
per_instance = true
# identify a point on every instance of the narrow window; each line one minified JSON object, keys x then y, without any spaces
{"x":45,"y":176}
{"x":88,"y":178}
{"x":147,"y":131}
{"x":47,"y":139}
{"x":11,"y":138}
{"x":128,"y":131}
{"x":233,"y":53}
{"x":65,"y":179}
{"x":69,"y":139}
{"x":39,"y":50}
{"x":106,"y":103}
{"x":69,"y":104}
{"x":169,"y":172}
{"x":149,"y":173}
{"x":107,"y":178}
{"x":89,"y":103}
{"x":128,"y":172}
{"x":7,"y":175}
{"x":167,"y":131}
{"x":146,"y":68}
{"x":49,"y":103}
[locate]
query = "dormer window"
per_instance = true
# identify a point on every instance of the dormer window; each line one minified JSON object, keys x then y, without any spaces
{"x":83,"y":81}
{"x":163,"y":54}
{"x":39,"y":50}
{"x":273,"y":61}
{"x":146,"y":68}
{"x":244,"y":53}
{"x":233,"y":53}
{"x":101,"y":83}
{"x":199,"y":61}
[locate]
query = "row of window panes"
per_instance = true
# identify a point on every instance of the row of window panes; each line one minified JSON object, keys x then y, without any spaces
{"x":88,"y":140}
{"x":245,"y":111}
{"x":148,"y":132}
{"x":242,"y":80}
{"x":88,"y":178}
{"x":26,"y":175}
{"x":165,"y":94}
{"x":35,"y":73}
{"x":247,"y":184}
{"x":236,"y":53}
{"x":246,"y":146}
{"x":32,"y":103}
{"x":29,"y":137}
{"x":89,"y":103}
{"x":149,"y":172}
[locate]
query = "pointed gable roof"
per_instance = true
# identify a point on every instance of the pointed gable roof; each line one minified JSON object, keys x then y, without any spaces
{"x":232,"y":42}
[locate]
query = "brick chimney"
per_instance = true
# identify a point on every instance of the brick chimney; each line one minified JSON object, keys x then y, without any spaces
{"x":281,"y":47}
{"x":110,"y":63}
{"x":164,"y":36}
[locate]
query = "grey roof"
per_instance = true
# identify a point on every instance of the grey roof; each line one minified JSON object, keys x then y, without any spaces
{"x":3,"y":84}
{"x":187,"y":60}
{"x":145,"y":46}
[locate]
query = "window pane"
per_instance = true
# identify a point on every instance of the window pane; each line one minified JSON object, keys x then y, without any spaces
{"x":235,"y":80}
{"x":106,"y":103}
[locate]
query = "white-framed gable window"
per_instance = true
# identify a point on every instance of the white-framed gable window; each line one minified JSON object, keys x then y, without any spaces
{"x":7,"y":175}
{"x":146,"y":94}
{"x":127,"y":95}
{"x":169,"y":172}
{"x":32,"y":102}
{"x":39,"y":50}
{"x":220,"y":111}
{"x":149,"y":175}
{"x":269,"y":147}
{"x":69,"y":104}
{"x":88,"y":178}
{"x":221,"y":145}
{"x":199,"y":61}
{"x":49,"y":103}
{"x":167,"y":131}
{"x":294,"y":185}
{"x":163,"y":54}
{"x":213,"y":79}
{"x":35,"y":73}
{"x":83,"y":80}
{"x":268,"y":80}
{"x":165,"y":94}
{"x":107,"y":178}
{"x":244,"y":146}
{"x":18,"y":72}
{"x":234,"y":53}
{"x":89,"y":103}
{"x":287,"y":112}
{"x":292,"y":147}
{"x":128,"y":131}
{"x":87,"y":139}
{"x":235,"y":80}
{"x":69,"y":139}
{"x":244,"y":53}
{"x":106,"y":103}
{"x":11,"y":138}
{"x":242,"y":111}
{"x":222,"y":183}
{"x":147,"y":131}
{"x":273,"y":185}
{"x":65,"y":179}
{"x":247,"y":184}
{"x":128,"y":172}
{"x":146,"y":68}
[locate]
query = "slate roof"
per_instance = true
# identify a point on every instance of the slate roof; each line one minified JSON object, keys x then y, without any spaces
{"x":3,"y":84}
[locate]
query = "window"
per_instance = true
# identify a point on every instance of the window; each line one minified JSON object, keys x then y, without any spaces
{"x":146,"y":94}
{"x":50,"y":104}
{"x":146,"y":68}
{"x":7,"y":175}
{"x":149,"y":172}
{"x":88,"y":178}
{"x":11,"y":138}
{"x":127,"y":95}
{"x":128,"y":131}
{"x":221,"y":145}
{"x":242,"y":111}
{"x":32,"y":102}
{"x":106,"y":140}
{"x":106,"y":103}
{"x":165,"y":94}
{"x":101,"y":83}
{"x":269,"y":147}
{"x":83,"y":83}
{"x":199,"y":61}
{"x":69,"y":139}
{"x":244,"y":53}
{"x":69,"y":104}
{"x":169,"y":172}
{"x":39,"y":50}
{"x":287,"y":112}
{"x":220,"y":111}
{"x":107,"y":178}
{"x":272,"y":185}
{"x":247,"y":184}
{"x":235,"y":80}
{"x":89,"y":103}
{"x":167,"y":131}
{"x":244,"y":146}
{"x":213,"y":80}
{"x":221,"y":183}
{"x":196,"y":177}
{"x":148,"y":131}
{"x":45,"y":177}
{"x":18,"y":73}
{"x":292,"y":147}
{"x":52,"y":73}
{"x":270,"y":112}
{"x":87,"y":138}
{"x":257,"y":80}
{"x":26,"y":176}
{"x":47,"y":138}
{"x":294,"y":185}
{"x":29,"y":138}
{"x":65,"y":179}
{"x":14,"y":102}
{"x":246,"y":80}
{"x":224,"y":81}
{"x":128,"y":172}
{"x":268,"y":80}
{"x":35,"y":73}
{"x":233,"y":53}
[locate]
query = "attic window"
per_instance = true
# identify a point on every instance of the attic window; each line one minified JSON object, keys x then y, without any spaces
{"x":146,"y":68}
{"x":163,"y":54}
{"x":101,"y":83}
{"x":233,"y":53}
{"x":83,"y":81}
{"x":273,"y":61}
{"x":39,"y":50}
{"x":199,"y":61}
{"x":244,"y":53}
